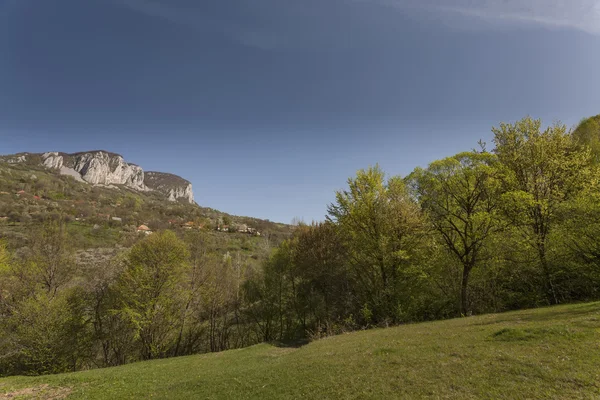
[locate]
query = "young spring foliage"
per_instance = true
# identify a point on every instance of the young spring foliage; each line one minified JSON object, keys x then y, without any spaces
{"x":384,"y":231}
{"x":461,"y":196}
{"x":542,"y":169}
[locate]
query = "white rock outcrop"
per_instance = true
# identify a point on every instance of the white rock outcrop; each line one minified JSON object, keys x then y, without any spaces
{"x":17,"y":159}
{"x":108,"y":169}
{"x":71,"y":172}
{"x":182,"y":193}
{"x":52,"y":160}
{"x":173,"y":186}
{"x":100,"y":168}
{"x":97,"y":168}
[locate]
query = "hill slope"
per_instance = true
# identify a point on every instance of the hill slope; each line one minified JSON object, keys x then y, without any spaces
{"x":542,"y":353}
{"x":31,"y":192}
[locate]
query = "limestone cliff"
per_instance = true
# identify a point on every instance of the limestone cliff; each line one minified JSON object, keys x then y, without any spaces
{"x":97,"y":168}
{"x":109,"y":169}
{"x":173,"y":186}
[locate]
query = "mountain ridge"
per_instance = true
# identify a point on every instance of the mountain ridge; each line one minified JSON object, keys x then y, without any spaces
{"x":105,"y":168}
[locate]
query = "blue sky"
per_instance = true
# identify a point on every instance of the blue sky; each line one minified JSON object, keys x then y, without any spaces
{"x":268,"y":106}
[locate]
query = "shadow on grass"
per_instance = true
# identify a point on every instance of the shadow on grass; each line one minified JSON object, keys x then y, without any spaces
{"x":293,"y":344}
{"x":532,"y":334}
{"x":561,"y":312}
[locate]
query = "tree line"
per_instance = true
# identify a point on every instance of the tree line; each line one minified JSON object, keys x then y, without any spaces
{"x":481,"y":231}
{"x":165,"y":296}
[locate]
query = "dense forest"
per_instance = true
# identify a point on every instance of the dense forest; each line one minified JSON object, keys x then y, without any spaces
{"x":486,"y":230}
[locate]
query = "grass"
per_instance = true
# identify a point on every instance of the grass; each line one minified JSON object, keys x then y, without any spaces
{"x":548,"y":353}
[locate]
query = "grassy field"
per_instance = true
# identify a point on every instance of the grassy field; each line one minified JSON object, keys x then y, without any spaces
{"x":533,"y":354}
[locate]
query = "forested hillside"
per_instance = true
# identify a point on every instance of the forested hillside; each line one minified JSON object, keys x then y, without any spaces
{"x":64,"y":244}
{"x":493,"y":229}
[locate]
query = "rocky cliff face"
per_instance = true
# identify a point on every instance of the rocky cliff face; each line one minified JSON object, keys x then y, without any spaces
{"x":109,"y":169}
{"x":101,"y":168}
{"x":97,"y":168}
{"x":173,"y":186}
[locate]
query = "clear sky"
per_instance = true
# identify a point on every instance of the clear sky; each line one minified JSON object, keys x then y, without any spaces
{"x":268,"y":106}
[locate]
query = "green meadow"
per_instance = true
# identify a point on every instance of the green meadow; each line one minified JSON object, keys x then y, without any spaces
{"x":531,"y":354}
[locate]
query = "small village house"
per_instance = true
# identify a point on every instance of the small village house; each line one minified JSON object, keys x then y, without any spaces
{"x":144,"y":229}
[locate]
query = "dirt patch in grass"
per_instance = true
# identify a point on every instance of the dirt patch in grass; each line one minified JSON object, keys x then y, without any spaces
{"x":38,"y":392}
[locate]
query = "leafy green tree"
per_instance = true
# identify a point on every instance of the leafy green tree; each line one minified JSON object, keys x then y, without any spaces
{"x":259,"y":309}
{"x":461,"y":196}
{"x":150,"y":291}
{"x":587,"y":134}
{"x":46,"y":334}
{"x":383,"y":230}
{"x":271,"y":296}
{"x":6,"y":294}
{"x":577,"y":236}
{"x":324,"y":288}
{"x":4,"y":257}
{"x":541,"y":170}
{"x":111,"y":334}
{"x":41,"y":330}
{"x":51,"y":261}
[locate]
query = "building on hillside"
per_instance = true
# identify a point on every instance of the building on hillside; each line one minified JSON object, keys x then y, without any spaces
{"x":243,"y":228}
{"x":117,"y":219}
{"x":144,"y":229}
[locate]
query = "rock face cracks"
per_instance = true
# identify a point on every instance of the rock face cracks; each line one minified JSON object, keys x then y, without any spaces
{"x":105,"y":168}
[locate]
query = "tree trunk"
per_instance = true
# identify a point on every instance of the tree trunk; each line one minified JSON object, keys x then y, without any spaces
{"x":548,"y":285}
{"x":464,"y":299}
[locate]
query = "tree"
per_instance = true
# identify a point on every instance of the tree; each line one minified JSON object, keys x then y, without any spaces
{"x":4,"y":257}
{"x":42,"y":329}
{"x":150,"y":291}
{"x":324,"y":289}
{"x":541,"y":170}
{"x":587,"y":134}
{"x":6,"y":278}
{"x":461,"y":196}
{"x":50,"y":262}
{"x":383,"y":230}
{"x":577,"y":235}
{"x":111,"y":334}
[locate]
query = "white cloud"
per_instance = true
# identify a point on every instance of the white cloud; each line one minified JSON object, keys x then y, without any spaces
{"x":582,"y":15}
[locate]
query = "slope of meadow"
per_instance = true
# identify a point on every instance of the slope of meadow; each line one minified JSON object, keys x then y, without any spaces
{"x":542,"y":353}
